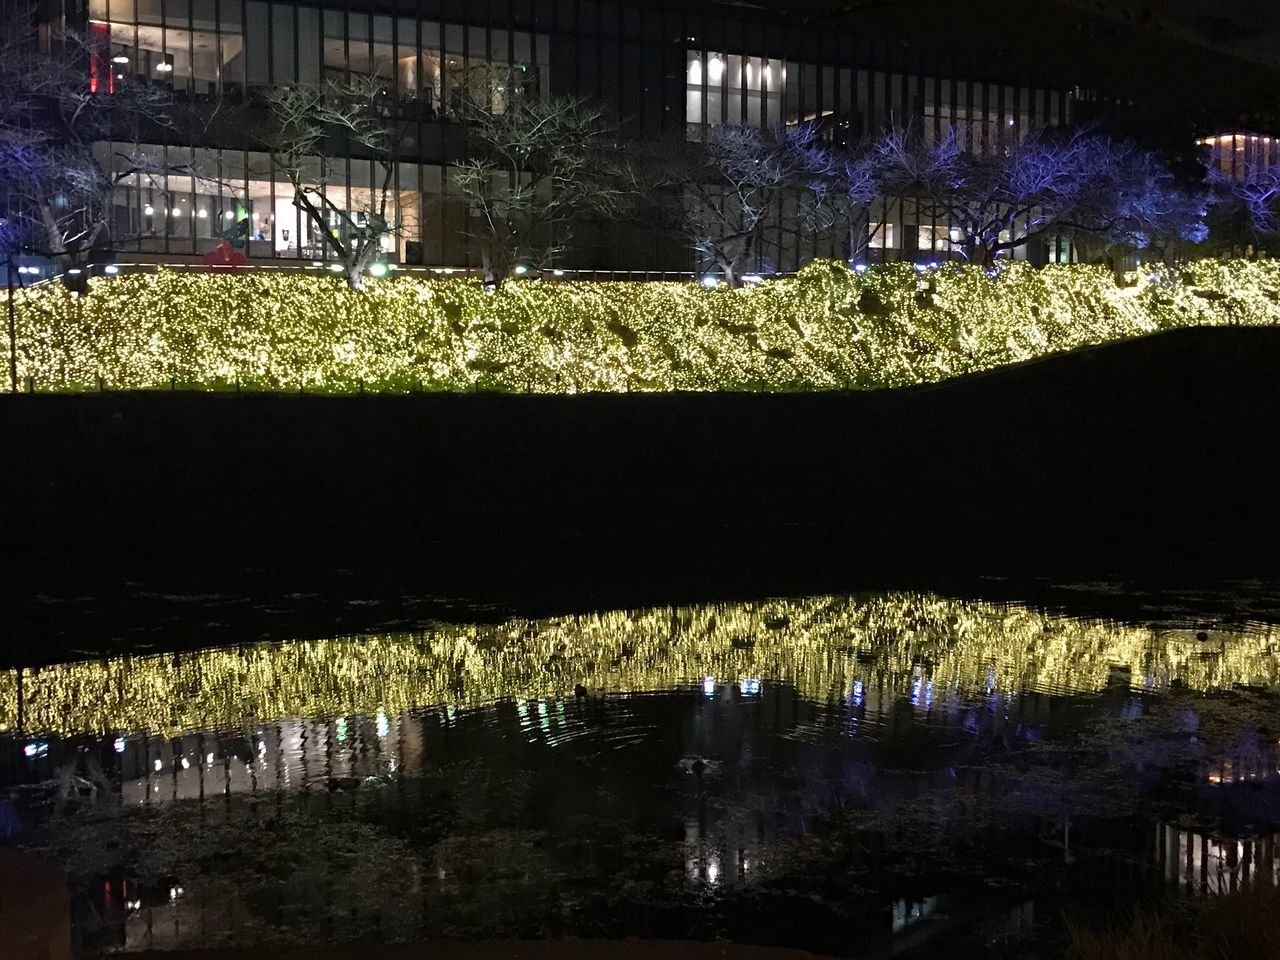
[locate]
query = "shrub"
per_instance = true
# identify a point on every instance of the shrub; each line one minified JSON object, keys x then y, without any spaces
{"x":826,"y":328}
{"x":1239,"y":926}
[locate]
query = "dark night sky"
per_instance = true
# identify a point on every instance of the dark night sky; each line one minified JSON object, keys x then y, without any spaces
{"x":1248,"y":29}
{"x":1218,"y":55}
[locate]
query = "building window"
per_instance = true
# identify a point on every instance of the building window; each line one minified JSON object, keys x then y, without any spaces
{"x":937,"y":238}
{"x":880,"y":236}
{"x":1235,"y":154}
{"x":229,"y":199}
{"x":732,"y":89}
{"x":283,"y":45}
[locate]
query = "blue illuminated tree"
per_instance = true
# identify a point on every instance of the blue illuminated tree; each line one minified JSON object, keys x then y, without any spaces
{"x":1051,"y":182}
{"x":731,"y":193}
{"x":1141,"y":208}
{"x":841,"y":187}
{"x":1254,"y":193}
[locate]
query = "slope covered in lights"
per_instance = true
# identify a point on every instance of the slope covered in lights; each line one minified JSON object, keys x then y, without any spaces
{"x":823,"y":646}
{"x":826,"y":329}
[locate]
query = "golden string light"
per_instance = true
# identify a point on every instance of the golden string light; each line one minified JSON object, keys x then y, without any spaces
{"x":820,"y":645}
{"x":826,"y":328}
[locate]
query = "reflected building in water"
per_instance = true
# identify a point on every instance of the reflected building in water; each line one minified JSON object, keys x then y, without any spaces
{"x":726,"y":776}
{"x":462,"y":778}
{"x":1216,"y":864}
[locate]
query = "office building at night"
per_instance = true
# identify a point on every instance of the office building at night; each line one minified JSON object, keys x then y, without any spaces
{"x":665,"y":70}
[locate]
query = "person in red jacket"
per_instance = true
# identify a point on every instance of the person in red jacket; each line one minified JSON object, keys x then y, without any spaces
{"x":225,"y":257}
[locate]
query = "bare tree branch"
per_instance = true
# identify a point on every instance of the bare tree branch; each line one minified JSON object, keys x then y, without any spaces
{"x":305,"y":126}
{"x":536,"y":165}
{"x":728,"y":192}
{"x":58,"y":188}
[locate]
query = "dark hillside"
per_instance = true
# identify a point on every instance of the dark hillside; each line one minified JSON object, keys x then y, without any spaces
{"x":1154,"y":457}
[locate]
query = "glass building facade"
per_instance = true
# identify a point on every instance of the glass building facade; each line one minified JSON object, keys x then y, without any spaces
{"x":666,"y":70}
{"x":1235,"y":154}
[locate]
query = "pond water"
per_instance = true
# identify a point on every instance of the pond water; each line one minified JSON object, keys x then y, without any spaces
{"x":866,"y":775}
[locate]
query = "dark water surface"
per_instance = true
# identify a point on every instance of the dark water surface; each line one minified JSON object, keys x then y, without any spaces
{"x":857,"y":775}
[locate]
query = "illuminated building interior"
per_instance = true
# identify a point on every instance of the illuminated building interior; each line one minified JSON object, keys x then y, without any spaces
{"x":734,"y":67}
{"x":1235,"y":154}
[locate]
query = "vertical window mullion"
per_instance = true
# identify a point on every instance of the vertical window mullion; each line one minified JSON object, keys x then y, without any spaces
{"x":346,"y":42}
{"x":217,"y":55}
{"x":705,"y":83}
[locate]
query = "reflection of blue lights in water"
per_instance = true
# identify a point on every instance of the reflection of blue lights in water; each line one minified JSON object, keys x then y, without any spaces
{"x":35,"y":750}
{"x":119,"y":745}
{"x":11,"y":822}
{"x":750,"y":686}
{"x":709,"y":686}
{"x":921,"y":689}
{"x":991,"y":679}
{"x":857,"y":693}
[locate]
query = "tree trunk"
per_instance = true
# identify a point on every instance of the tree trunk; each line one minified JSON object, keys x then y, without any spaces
{"x":488,"y":273}
{"x":734,"y":267}
{"x":974,"y":252}
{"x":72,"y":260}
{"x":355,"y":276}
{"x":730,"y":271}
{"x":359,"y":263}
{"x":1118,"y":270}
{"x":858,"y":240}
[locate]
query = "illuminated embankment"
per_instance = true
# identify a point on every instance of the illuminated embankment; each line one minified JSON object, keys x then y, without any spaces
{"x":820,"y":645}
{"x":827,"y":328}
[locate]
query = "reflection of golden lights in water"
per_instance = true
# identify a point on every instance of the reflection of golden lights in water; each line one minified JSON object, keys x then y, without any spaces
{"x":820,"y":645}
{"x":1245,"y":769}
